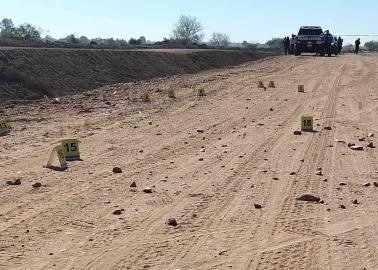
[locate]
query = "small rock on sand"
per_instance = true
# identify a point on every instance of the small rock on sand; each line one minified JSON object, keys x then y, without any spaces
{"x":357,"y":147}
{"x":133,"y":185}
{"x":16,"y":182}
{"x":147,"y":190}
{"x":117,"y":170}
{"x":371,"y":145}
{"x":37,"y":185}
{"x":355,"y":201}
{"x":172,"y":222}
{"x":55,"y":101}
{"x":308,"y":198}
{"x":319,"y":172}
{"x":117,"y":212}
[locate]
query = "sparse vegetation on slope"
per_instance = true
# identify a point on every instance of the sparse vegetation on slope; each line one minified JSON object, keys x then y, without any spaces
{"x":33,"y":73}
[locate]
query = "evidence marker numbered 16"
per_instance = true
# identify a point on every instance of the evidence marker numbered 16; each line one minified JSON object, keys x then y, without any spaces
{"x":307,"y":123}
{"x":4,"y":127}
{"x":71,"y":149}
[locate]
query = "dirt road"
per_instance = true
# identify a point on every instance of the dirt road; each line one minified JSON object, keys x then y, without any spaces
{"x":208,"y":160}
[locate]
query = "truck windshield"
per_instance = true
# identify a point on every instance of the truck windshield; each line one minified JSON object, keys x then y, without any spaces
{"x":310,"y":31}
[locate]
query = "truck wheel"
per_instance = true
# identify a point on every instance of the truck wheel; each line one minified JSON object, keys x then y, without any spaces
{"x":329,"y":54}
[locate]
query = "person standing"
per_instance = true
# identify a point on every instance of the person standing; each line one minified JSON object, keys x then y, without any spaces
{"x":286,"y":48}
{"x":287,"y":45}
{"x":327,"y":42}
{"x":339,"y":45}
{"x":357,"y":46}
{"x":292,"y":46}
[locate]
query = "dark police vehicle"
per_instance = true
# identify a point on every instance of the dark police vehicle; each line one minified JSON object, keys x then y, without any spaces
{"x":312,"y":39}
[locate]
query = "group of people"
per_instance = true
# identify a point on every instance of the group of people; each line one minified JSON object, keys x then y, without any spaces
{"x":286,"y":45}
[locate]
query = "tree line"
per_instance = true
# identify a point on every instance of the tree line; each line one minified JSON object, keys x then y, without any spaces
{"x":187,"y":32}
{"x":24,"y":31}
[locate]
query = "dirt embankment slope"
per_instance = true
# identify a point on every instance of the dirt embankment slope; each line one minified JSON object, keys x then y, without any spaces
{"x":33,"y":73}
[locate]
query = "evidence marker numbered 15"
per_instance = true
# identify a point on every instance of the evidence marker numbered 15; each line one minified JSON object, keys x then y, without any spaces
{"x":307,"y":123}
{"x":4,"y":127}
{"x":71,"y":149}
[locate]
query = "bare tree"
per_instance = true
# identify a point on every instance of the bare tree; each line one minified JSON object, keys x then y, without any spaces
{"x":220,"y":40}
{"x":188,"y":30}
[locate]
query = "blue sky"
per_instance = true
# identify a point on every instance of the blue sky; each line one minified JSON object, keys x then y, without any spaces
{"x":251,"y":20}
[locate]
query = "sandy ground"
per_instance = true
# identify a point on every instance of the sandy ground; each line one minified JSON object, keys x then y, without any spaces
{"x":208,"y":160}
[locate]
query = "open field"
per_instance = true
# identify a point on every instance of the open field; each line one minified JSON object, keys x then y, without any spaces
{"x":208,"y":160}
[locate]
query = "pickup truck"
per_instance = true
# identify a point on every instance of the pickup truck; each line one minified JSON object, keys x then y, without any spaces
{"x":312,"y":39}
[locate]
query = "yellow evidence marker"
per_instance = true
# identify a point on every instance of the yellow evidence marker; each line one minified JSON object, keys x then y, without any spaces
{"x":71,"y":149}
{"x":307,"y":123}
{"x":4,"y":127}
{"x":57,"y":153}
{"x":271,"y":84}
